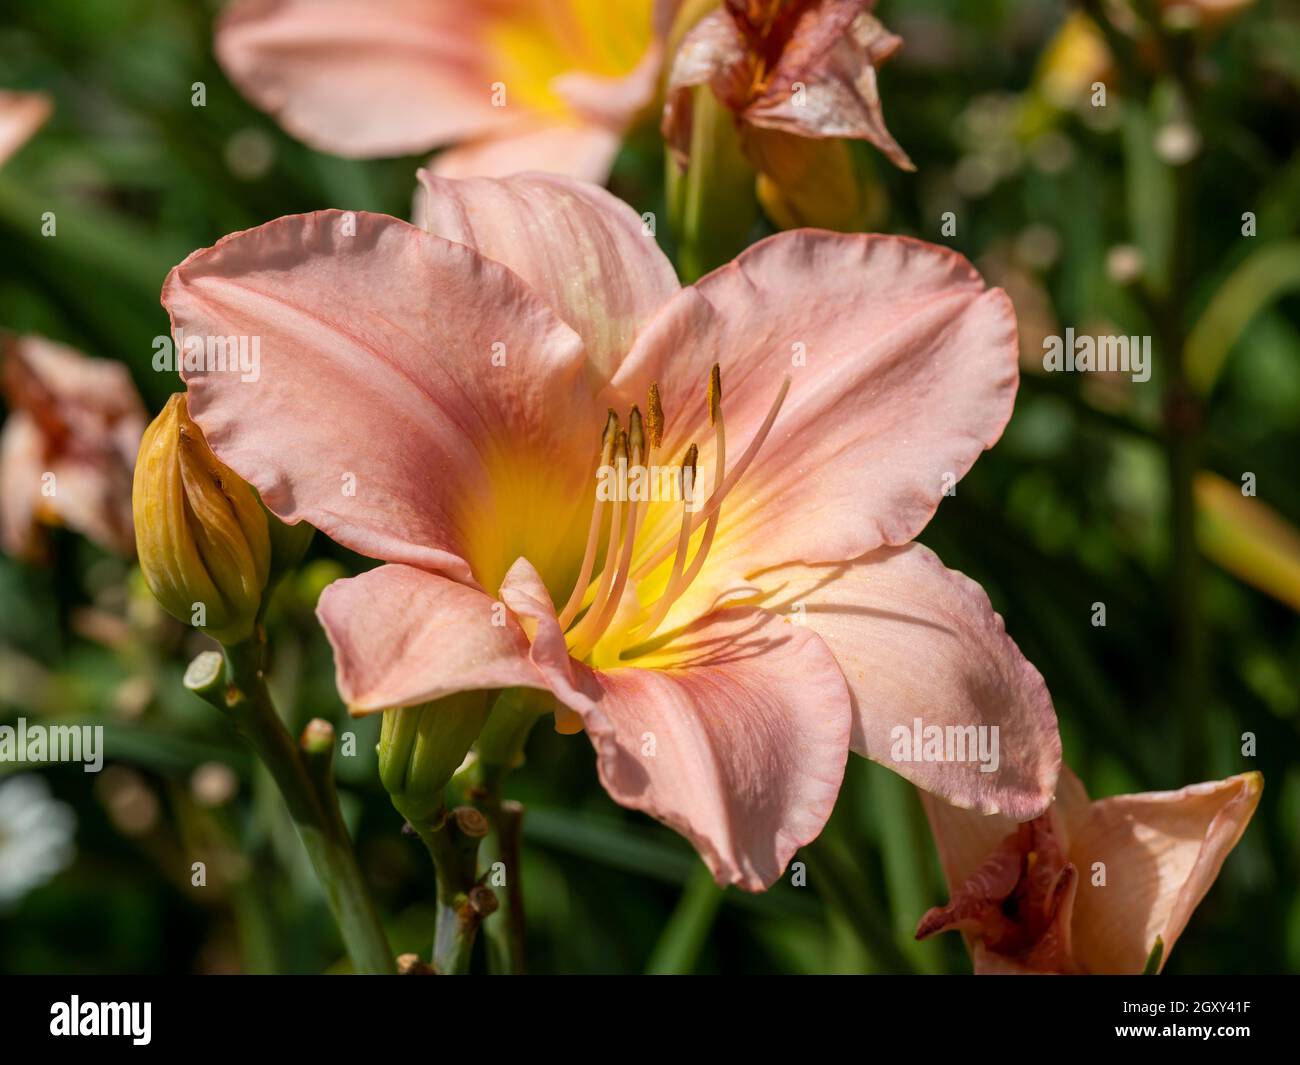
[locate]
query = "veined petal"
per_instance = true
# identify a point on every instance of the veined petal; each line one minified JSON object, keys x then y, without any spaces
{"x":582,"y":249}
{"x":925,"y":655}
{"x":402,"y":636}
{"x":839,"y":96}
{"x":1162,"y":852}
{"x":711,"y":737}
{"x":903,"y":369}
{"x":362,"y":78}
{"x":412,"y":400}
{"x":715,"y":740}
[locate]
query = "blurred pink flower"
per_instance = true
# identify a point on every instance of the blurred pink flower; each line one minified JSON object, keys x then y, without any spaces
{"x":806,"y":67}
{"x":1089,"y":886}
{"x":511,"y":84}
{"x":436,"y":399}
{"x":68,"y":446}
{"x":21,"y":115}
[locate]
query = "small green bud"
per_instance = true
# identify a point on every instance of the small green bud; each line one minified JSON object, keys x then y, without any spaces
{"x":289,"y":544}
{"x":420,"y":747}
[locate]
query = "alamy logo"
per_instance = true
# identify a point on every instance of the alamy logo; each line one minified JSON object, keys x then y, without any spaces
{"x":53,"y":743}
{"x":945,"y":743}
{"x":1088,"y":354}
{"x":209,"y":354}
{"x":656,"y":484}
{"x":132,"y":1019}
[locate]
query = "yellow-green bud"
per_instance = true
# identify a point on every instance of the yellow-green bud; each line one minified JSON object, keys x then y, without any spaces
{"x":288,"y":545}
{"x":420,"y":747}
{"x":201,"y":532}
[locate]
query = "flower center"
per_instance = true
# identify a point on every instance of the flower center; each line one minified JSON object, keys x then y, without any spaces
{"x":628,"y":479}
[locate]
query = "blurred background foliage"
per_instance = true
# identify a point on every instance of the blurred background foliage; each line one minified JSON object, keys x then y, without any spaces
{"x":1054,"y":199}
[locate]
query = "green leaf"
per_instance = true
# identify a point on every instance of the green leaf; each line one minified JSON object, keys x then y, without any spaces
{"x":1150,"y":196}
{"x":688,"y":928}
{"x":1152,"y":967}
{"x":1271,"y":272}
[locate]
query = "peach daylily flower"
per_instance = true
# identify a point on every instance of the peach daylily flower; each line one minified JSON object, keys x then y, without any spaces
{"x":21,"y":115}
{"x":68,"y":446}
{"x":441,"y":399}
{"x":512,"y":84}
{"x":806,"y":68}
{"x":1028,"y":897}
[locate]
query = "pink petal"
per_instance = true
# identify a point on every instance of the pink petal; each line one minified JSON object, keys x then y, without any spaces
{"x":79,"y":419}
{"x":840,"y":97}
{"x":21,"y":115}
{"x":381,"y":412}
{"x":585,"y":152}
{"x":964,"y":839}
{"x":402,"y":636}
{"x":921,"y":647}
{"x":1162,"y":852}
{"x":525,"y":594}
{"x":712,"y":53}
{"x":582,"y":249}
{"x":903,"y":368}
{"x":22,"y":465}
{"x":612,"y":102}
{"x":714,"y":740}
{"x":990,"y":963}
{"x":362,"y":78}
{"x":746,"y":764}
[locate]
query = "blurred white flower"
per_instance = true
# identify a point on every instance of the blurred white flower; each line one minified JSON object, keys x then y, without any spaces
{"x":36,"y":833}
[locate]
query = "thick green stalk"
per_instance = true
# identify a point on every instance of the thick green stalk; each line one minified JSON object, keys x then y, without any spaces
{"x":240,"y":691}
{"x":463,"y":903}
{"x":712,"y":204}
{"x":501,"y":749}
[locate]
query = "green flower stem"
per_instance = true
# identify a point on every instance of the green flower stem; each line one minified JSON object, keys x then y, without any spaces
{"x":712,"y":204}
{"x":507,"y":818}
{"x":509,"y":821}
{"x":453,"y":844}
{"x":239,"y":690}
{"x":500,"y":749}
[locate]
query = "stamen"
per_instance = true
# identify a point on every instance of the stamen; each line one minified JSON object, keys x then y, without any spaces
{"x":635,"y":437}
{"x":583,"y":643}
{"x":654,"y":419}
{"x":719,"y":466}
{"x":588,"y":630}
{"x":720,"y":491}
{"x":690,"y":466}
{"x":607,"y":443}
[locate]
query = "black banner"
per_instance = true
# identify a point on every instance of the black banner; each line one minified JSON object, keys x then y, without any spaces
{"x":85,"y":1015}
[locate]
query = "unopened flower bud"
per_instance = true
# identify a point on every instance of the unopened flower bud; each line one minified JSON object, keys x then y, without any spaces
{"x":201,"y":531}
{"x":420,"y":747}
{"x":288,"y":545}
